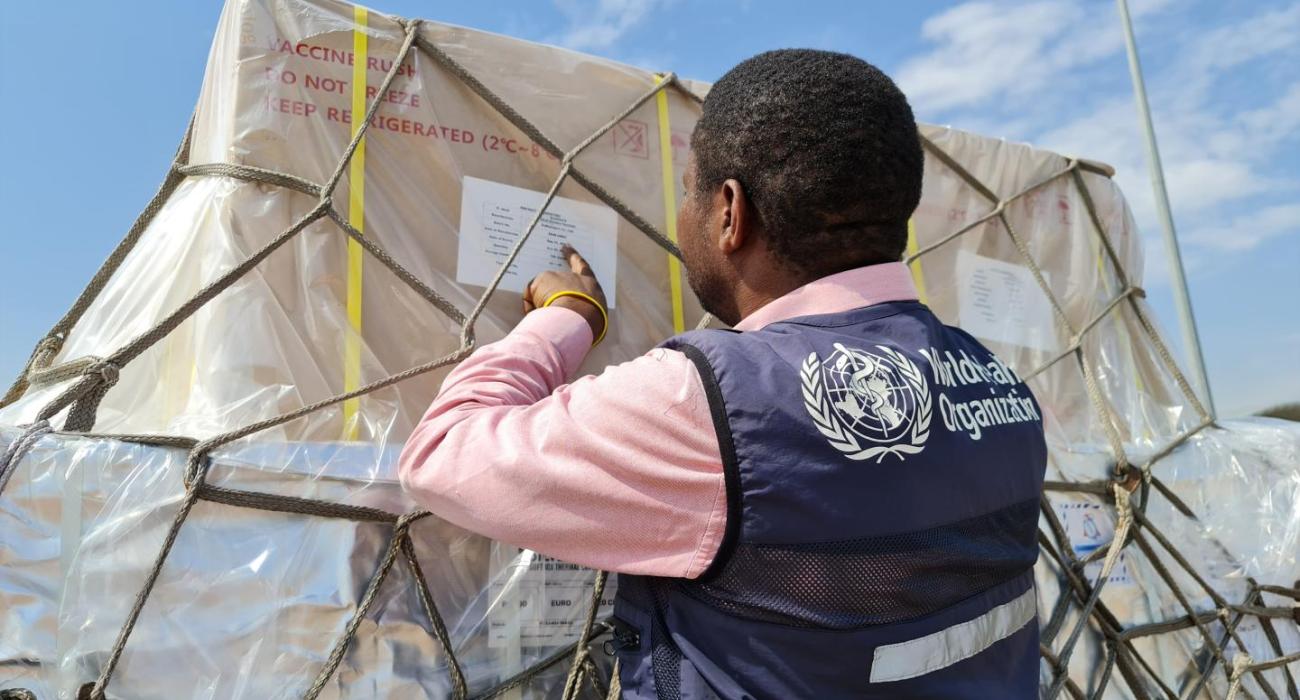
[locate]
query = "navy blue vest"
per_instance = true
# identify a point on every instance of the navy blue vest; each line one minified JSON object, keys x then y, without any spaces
{"x":883,"y":475}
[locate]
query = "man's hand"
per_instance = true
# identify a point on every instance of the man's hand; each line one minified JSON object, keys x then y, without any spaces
{"x":579,"y":279}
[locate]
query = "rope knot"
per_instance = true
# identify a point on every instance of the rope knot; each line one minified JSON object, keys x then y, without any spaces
{"x":1240,"y":664}
{"x":1123,"y":508}
{"x":108,"y":372}
{"x":1123,"y":523}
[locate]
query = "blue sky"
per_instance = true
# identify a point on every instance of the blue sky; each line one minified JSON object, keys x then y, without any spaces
{"x":95,"y":96}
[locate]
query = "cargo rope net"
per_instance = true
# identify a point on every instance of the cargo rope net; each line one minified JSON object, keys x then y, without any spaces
{"x":1129,"y":487}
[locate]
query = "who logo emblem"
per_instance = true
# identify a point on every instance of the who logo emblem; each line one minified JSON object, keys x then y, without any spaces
{"x":868,"y":404}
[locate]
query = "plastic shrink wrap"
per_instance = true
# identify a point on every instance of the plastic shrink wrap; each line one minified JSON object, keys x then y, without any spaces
{"x":251,"y":601}
{"x":1242,"y":482}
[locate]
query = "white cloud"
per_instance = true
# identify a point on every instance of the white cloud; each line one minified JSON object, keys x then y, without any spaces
{"x":1201,"y":184}
{"x":1002,"y":66}
{"x":1225,"y":99}
{"x":987,"y":51}
{"x":1263,"y":34}
{"x":1247,"y":231}
{"x":601,"y":27}
{"x":1275,"y":123}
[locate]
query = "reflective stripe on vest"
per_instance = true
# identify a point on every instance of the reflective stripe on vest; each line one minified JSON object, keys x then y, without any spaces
{"x":917,"y":657}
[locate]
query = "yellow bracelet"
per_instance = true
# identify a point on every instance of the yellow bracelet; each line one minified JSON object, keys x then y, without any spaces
{"x":574,"y":293}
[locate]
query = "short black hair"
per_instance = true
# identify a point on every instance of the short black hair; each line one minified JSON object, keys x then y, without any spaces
{"x":826,"y":148}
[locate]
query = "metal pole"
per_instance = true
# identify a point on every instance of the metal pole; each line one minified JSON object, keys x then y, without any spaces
{"x":1187,"y":321}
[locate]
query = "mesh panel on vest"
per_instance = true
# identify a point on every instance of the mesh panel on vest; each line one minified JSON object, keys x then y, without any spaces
{"x":666,"y":657}
{"x":874,"y":580}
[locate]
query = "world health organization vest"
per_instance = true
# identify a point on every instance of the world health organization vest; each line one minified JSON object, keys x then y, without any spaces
{"x":882,"y":477}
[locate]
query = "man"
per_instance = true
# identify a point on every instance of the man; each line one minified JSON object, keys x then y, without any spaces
{"x":789,"y":517}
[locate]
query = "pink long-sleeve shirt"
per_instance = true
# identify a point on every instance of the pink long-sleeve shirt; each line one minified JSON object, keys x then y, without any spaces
{"x":618,"y":471}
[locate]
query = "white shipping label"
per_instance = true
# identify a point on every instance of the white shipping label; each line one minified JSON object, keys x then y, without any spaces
{"x":540,"y":601}
{"x":493,"y":216}
{"x":1002,"y":302}
{"x":1090,"y":527}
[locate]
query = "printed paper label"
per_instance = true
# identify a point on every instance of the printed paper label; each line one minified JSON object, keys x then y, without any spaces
{"x":540,"y":601}
{"x":1002,"y":302}
{"x":493,"y":216}
{"x":1089,"y":527}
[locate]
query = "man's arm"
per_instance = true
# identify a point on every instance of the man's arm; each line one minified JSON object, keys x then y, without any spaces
{"x":618,"y":471}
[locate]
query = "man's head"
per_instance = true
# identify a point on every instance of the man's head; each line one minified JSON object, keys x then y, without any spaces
{"x":804,"y":163}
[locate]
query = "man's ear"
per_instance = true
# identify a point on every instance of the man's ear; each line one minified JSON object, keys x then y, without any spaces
{"x":736,"y":217}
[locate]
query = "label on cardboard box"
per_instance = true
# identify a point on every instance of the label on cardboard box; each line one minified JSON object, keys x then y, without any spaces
{"x":1002,"y":302}
{"x":493,"y":216}
{"x":1090,"y":526}
{"x":539,"y":601}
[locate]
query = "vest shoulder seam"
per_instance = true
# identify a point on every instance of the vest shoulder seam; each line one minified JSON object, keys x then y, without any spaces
{"x":811,"y":319}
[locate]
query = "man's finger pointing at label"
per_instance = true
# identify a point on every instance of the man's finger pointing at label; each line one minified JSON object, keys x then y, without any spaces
{"x":575,"y":289}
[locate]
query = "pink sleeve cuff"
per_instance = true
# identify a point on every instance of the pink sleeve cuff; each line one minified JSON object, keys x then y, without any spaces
{"x":565,"y":329}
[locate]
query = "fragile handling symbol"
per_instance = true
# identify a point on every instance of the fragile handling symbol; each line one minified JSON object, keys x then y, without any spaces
{"x":630,"y":138}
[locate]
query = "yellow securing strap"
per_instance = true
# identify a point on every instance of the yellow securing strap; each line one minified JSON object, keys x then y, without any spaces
{"x":918,"y":277}
{"x":670,"y":206}
{"x":356,"y":217}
